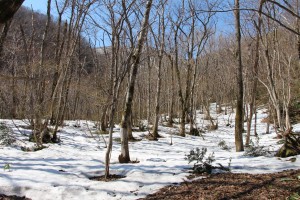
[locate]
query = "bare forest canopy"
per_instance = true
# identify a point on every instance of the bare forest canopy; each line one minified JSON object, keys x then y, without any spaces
{"x":52,"y":68}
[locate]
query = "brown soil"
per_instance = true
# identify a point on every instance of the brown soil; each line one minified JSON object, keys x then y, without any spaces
{"x":150,"y":137}
{"x":277,"y":186}
{"x":13,"y":197}
{"x":111,"y":177}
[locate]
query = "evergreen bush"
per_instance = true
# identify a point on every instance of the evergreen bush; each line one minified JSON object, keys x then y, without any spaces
{"x":203,"y":163}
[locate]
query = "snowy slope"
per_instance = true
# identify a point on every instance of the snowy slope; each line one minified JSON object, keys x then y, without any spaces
{"x":62,"y":171}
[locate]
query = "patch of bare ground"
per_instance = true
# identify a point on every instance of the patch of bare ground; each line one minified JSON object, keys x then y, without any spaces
{"x":283,"y":185}
{"x":12,"y":197}
{"x":111,"y":177}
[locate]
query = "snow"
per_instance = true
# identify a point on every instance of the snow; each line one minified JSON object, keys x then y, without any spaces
{"x":62,"y":171}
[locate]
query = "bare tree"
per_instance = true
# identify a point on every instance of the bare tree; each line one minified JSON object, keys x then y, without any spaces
{"x":124,"y":157}
{"x":252,"y":108}
{"x":176,"y":26}
{"x":39,"y":126}
{"x":160,"y":46}
{"x":239,"y":121}
{"x":116,"y":74}
{"x":79,"y":11}
{"x":190,"y":30}
{"x":172,"y":92}
{"x":271,"y":63}
{"x":59,"y":48}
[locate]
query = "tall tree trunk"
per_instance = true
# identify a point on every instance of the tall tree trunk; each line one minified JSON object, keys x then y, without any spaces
{"x":77,"y":95}
{"x":181,"y":104}
{"x":182,"y":121}
{"x":149,"y":87}
{"x":65,"y":99}
{"x":15,"y":101}
{"x":8,"y":8}
{"x":129,"y":131}
{"x":255,"y":80}
{"x":239,"y":105}
{"x":41,"y":83}
{"x":103,"y":121}
{"x":58,"y":56}
{"x":171,"y":110}
{"x":161,"y":33}
{"x":287,"y":119}
{"x":3,"y":34}
{"x":72,"y":38}
{"x":124,"y":156}
{"x":57,"y":78}
{"x":115,"y":82}
{"x":192,"y":102}
{"x":115,"y":94}
{"x":157,"y":103}
{"x":298,"y":28}
{"x":272,"y":92}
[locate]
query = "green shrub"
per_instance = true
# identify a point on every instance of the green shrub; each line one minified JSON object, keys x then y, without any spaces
{"x":202,"y":164}
{"x":7,"y":167}
{"x":294,"y":196}
{"x":255,"y":150}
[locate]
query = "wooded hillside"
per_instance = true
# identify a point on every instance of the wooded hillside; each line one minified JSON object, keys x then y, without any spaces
{"x":126,"y":61}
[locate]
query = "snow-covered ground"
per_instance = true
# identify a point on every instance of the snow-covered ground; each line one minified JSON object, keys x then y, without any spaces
{"x":62,"y":171}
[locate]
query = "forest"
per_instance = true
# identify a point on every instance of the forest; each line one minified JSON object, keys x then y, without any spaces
{"x":147,"y":65}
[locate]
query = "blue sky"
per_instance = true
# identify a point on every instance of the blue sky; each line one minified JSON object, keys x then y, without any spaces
{"x":38,"y":5}
{"x":223,"y":26}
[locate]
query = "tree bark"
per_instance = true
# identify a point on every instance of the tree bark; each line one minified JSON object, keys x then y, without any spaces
{"x":3,"y":35}
{"x":72,"y":38}
{"x":239,"y":105}
{"x":124,"y":157}
{"x":111,"y":126}
{"x":171,"y":110}
{"x":149,"y":88}
{"x":58,"y":56}
{"x":8,"y":8}
{"x":103,"y":120}
{"x":158,"y":86}
{"x":177,"y":72}
{"x":255,"y":79}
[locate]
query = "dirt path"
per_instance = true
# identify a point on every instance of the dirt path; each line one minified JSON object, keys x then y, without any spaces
{"x":277,"y":186}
